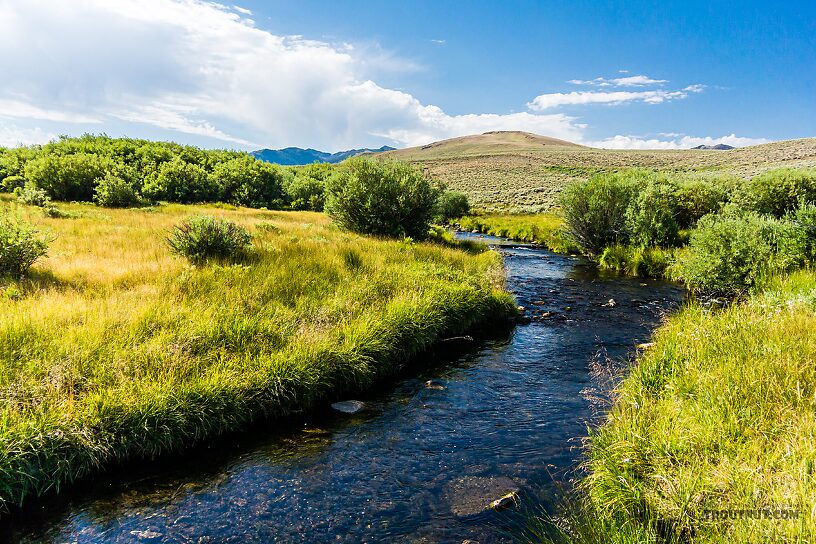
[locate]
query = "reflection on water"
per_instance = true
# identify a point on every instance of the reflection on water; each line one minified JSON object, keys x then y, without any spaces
{"x":513,"y":407}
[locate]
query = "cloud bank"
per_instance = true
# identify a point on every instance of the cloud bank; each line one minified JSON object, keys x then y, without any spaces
{"x":203,"y":69}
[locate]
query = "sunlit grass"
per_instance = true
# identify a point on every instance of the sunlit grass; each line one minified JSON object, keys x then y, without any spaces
{"x":543,"y":229}
{"x":114,"y":349}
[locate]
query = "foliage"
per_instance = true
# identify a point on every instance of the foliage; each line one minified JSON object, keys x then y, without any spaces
{"x":20,"y":245}
{"x":451,"y":205}
{"x":652,"y":262}
{"x":697,"y":196}
{"x":116,"y":191}
{"x":543,"y":229}
{"x":595,"y":211}
{"x":306,"y":189}
{"x":779,"y":191}
{"x":180,"y":181}
{"x":31,"y":195}
{"x":246,"y":181}
{"x":10,"y":183}
{"x":205,"y":237}
{"x":68,"y":177}
{"x":385,"y":199}
{"x":650,"y":216}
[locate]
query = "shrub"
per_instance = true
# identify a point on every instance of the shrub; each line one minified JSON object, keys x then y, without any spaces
{"x":697,"y":197}
{"x":451,"y":205}
{"x":778,"y":192}
{"x":381,"y":198}
{"x":732,"y":252}
{"x":116,"y":191}
{"x":31,"y":195}
{"x":67,"y":177}
{"x":650,"y":262}
{"x":204,"y":237}
{"x":179,"y":181}
{"x":247,"y":181}
{"x":306,"y":189}
{"x":650,"y":216}
{"x":10,"y":183}
{"x":20,"y":246}
{"x":595,"y":211}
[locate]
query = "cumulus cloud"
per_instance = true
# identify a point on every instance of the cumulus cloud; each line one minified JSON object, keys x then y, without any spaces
{"x":677,"y":141}
{"x":13,"y":135}
{"x":554,"y":100}
{"x":627,"y":81}
{"x":205,"y":69}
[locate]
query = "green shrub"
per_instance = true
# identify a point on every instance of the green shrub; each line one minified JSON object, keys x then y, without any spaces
{"x":179,"y":181}
{"x":306,"y":189}
{"x":204,"y":237}
{"x":247,"y":181}
{"x":116,"y":191}
{"x":381,"y":198}
{"x":10,"y":183}
{"x":731,"y":252}
{"x":451,"y":205}
{"x":595,"y":211}
{"x":20,"y":245}
{"x":67,"y":177}
{"x":778,"y":192}
{"x":700,"y":196}
{"x":650,"y":216}
{"x":652,"y":262}
{"x":31,"y":195}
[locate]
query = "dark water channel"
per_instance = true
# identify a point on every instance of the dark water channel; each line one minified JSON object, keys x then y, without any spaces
{"x":509,"y":412}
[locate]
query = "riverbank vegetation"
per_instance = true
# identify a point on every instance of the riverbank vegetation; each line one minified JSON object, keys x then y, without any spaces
{"x":113,"y":348}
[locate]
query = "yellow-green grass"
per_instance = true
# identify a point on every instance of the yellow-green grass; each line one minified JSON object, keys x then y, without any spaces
{"x":518,"y":172}
{"x":543,"y":229}
{"x":718,"y":419}
{"x":113,"y":349}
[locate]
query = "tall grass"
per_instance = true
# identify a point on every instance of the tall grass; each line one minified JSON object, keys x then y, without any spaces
{"x":113,"y":349}
{"x":544,"y":229}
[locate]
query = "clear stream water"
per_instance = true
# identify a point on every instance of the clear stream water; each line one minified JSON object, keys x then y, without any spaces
{"x":409,"y":468}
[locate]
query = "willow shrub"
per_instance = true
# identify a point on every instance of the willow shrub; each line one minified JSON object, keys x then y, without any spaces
{"x":390,"y":199}
{"x":204,"y":237}
{"x":21,"y":244}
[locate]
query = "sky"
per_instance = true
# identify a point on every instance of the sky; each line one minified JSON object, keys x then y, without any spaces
{"x":339,"y":75}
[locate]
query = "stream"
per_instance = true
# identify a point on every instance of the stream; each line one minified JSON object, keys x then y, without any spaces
{"x":419,"y":463}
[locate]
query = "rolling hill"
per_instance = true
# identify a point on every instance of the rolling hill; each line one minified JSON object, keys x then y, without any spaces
{"x":523,"y":172}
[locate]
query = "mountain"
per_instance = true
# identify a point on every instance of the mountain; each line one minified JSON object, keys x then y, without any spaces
{"x":722,"y":147}
{"x":293,"y":156}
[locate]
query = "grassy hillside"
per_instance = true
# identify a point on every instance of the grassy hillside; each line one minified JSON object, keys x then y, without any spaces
{"x":521,"y":172}
{"x":114,"y":349}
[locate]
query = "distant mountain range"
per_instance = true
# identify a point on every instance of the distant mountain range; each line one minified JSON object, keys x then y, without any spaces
{"x":721,"y":147}
{"x":294,"y":156}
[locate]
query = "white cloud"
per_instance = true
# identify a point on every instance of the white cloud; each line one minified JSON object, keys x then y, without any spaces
{"x":439,"y":42}
{"x":244,"y":11}
{"x":12,"y":136}
{"x":627,"y":81}
{"x":205,"y":69}
{"x":554,"y":100}
{"x":679,"y":141}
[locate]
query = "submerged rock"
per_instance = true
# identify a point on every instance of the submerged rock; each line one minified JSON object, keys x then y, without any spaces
{"x":610,"y":303}
{"x":349,"y":406}
{"x":472,"y":495}
{"x":435,"y":384}
{"x":146,"y":535}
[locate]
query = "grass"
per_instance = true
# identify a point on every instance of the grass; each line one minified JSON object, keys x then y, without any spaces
{"x":542,"y":229}
{"x":113,"y":349}
{"x":515,"y":172}
{"x":716,"y":420}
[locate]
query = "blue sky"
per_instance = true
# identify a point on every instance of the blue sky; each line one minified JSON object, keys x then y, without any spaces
{"x":336,"y":75}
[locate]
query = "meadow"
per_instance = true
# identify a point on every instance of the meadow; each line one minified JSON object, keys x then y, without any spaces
{"x":113,"y":349}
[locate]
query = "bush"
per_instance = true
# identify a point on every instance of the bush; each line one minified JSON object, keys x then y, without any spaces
{"x":10,"y":183}
{"x":204,"y":237}
{"x":179,"y":181}
{"x":29,"y":194}
{"x":381,"y":198}
{"x":731,"y":252}
{"x":778,"y":192}
{"x":697,"y":197}
{"x":115,"y":191}
{"x":652,"y":262}
{"x":595,"y":211}
{"x":20,"y":246}
{"x":247,"y":181}
{"x":451,"y":205}
{"x":650,"y":216}
{"x":67,"y":177}
{"x":306,"y":189}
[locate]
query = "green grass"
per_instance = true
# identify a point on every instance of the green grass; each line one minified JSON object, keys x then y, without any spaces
{"x":543,"y":229}
{"x":113,"y":349}
{"x":717,"y":416}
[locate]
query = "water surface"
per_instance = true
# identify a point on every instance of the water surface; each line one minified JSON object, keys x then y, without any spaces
{"x":511,"y":408}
